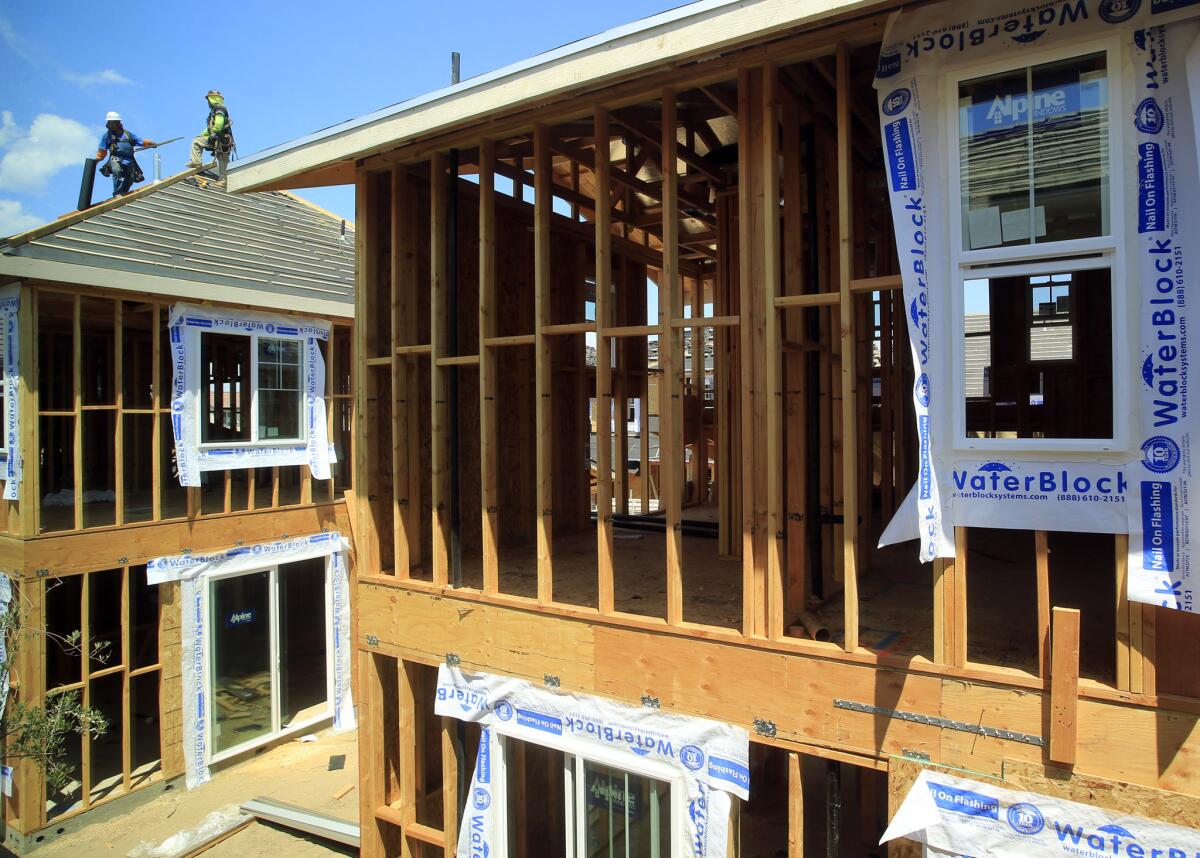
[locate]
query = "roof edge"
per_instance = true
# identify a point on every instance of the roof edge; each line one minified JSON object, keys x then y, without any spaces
{"x":80,"y":215}
{"x":685,"y":31}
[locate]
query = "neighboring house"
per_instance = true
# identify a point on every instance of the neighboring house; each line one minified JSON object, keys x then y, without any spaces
{"x":750,"y":672}
{"x":178,"y":383}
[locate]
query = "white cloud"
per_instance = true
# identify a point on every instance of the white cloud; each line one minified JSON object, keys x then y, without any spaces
{"x":52,"y":144}
{"x":14,"y":219}
{"x":8,"y":129}
{"x":107,"y":76}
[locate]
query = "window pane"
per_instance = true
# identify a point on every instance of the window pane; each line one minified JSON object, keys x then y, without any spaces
{"x":139,"y":467}
{"x":1033,"y":154}
{"x":56,"y":350}
{"x":137,"y":355}
{"x":225,"y":390}
{"x":625,"y":814}
{"x":302,"y":660}
{"x":278,"y":389}
{"x":97,"y":350}
{"x":1038,"y":356}
{"x":241,"y":659}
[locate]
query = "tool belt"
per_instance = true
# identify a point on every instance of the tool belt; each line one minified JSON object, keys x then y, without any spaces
{"x":113,"y":165}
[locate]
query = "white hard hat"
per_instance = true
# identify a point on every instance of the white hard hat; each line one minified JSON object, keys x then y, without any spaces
{"x":113,"y":116}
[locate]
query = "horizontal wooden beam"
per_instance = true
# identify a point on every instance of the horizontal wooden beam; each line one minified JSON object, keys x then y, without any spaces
{"x":632,"y":331}
{"x":422,"y":349}
{"x":458,"y":360}
{"x":707,"y":322}
{"x":513,"y":340}
{"x":818,"y":299}
{"x":876,"y":284}
{"x":570,"y":328}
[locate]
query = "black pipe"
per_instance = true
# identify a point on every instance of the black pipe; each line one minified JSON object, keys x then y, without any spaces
{"x":833,"y":809}
{"x":87,"y":184}
{"x":452,"y":350}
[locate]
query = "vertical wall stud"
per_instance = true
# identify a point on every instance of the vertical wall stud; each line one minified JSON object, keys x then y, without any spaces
{"x":605,"y":410}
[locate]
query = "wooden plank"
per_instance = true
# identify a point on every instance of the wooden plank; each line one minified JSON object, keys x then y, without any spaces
{"x":543,"y":410}
{"x":403,"y":280}
{"x":119,"y":439}
{"x":848,"y":378}
{"x":1042,"y":564}
{"x":1064,"y":686}
{"x":816,"y":299}
{"x":514,"y":340}
{"x":698,"y":321}
{"x":77,"y":384}
{"x":407,"y":741}
{"x":450,"y":752}
{"x":439,"y":381}
{"x":876,"y":284}
{"x":942,"y":571}
{"x":371,"y":754}
{"x":606,"y":409}
{"x":570,"y":328}
{"x":960,"y":598}
{"x":619,"y":331}
{"x":795,"y":807}
{"x":772,"y":430}
{"x":670,"y":306}
{"x":367,"y":551}
{"x":489,"y":483}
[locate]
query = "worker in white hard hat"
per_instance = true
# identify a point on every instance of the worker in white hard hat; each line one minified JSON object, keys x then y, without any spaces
{"x":119,"y":144}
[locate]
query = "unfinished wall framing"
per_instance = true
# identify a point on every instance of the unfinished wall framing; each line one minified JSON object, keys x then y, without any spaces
{"x":645,"y":366}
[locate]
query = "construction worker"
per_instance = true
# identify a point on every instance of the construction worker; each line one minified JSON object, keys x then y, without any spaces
{"x":218,"y":135}
{"x":119,"y":145}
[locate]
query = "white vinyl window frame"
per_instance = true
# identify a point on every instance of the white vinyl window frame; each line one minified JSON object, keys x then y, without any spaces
{"x":574,"y":796}
{"x":277,"y":729}
{"x":199,"y":385}
{"x":1035,"y":258}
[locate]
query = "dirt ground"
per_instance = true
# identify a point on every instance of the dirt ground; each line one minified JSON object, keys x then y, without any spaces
{"x":295,"y":772}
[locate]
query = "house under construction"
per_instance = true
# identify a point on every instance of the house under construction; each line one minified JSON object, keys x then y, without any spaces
{"x":162,"y":352}
{"x":690,"y":220}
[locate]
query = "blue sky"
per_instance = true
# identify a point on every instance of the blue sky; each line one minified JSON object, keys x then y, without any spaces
{"x":286,"y":70}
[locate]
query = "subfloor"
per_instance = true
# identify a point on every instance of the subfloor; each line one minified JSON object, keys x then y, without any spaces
{"x":295,"y":772}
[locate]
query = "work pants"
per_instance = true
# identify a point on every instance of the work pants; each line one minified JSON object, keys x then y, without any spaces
{"x":199,"y":147}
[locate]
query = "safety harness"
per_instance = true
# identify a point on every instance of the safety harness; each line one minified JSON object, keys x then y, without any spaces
{"x":220,"y":143}
{"x":113,"y":158}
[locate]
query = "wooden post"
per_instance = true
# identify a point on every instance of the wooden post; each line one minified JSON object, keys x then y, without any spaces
{"x":543,"y":205}
{"x":450,"y":751}
{"x":489,"y":485}
{"x":960,"y":597}
{"x":795,"y":806}
{"x":670,"y":307}
{"x":771,"y":346}
{"x":849,"y":381}
{"x":77,"y":384}
{"x":403,"y":275}
{"x":372,"y":787}
{"x":29,"y":491}
{"x":439,"y":390}
{"x":366,"y":537}
{"x":1042,"y":562}
{"x":605,"y":411}
{"x":1064,"y":685}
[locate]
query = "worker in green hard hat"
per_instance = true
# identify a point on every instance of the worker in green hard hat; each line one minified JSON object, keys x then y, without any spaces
{"x":218,"y":134}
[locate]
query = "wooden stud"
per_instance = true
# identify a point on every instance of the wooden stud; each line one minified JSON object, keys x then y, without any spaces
{"x":366,"y":537}
{"x":605,"y":409}
{"x":402,"y":283}
{"x":1042,"y":564}
{"x":372,"y":787}
{"x":450,"y":755}
{"x":119,"y":433}
{"x":959,"y":655}
{"x":29,"y":492}
{"x":77,"y":381}
{"x":670,"y":412}
{"x":1064,"y":686}
{"x":543,"y":207}
{"x":795,"y":806}
{"x":848,"y":378}
{"x":126,"y":666}
{"x":773,"y":427}
{"x":489,"y":482}
{"x":439,"y":391}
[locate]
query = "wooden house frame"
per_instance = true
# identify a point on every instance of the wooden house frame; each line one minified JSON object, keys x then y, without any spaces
{"x":510,"y":224}
{"x":100,"y":497}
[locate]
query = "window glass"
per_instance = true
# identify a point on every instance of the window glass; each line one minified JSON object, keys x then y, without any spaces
{"x":1038,"y":356}
{"x":224,"y":387}
{"x":279,"y":379}
{"x":1033,"y":154}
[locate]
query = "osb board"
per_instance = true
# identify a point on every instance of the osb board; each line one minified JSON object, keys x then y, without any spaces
{"x":738,"y":684}
{"x":133,"y":544}
{"x":170,"y":701}
{"x":1113,"y":795}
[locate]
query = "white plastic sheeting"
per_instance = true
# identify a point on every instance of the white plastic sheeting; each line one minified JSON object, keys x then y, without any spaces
{"x":187,"y":323}
{"x":193,"y":571}
{"x":711,"y":758}
{"x":1141,"y":485}
{"x":10,"y":456}
{"x":957,"y":816}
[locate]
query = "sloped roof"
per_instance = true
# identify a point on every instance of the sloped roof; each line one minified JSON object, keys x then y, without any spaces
{"x":185,"y":236}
